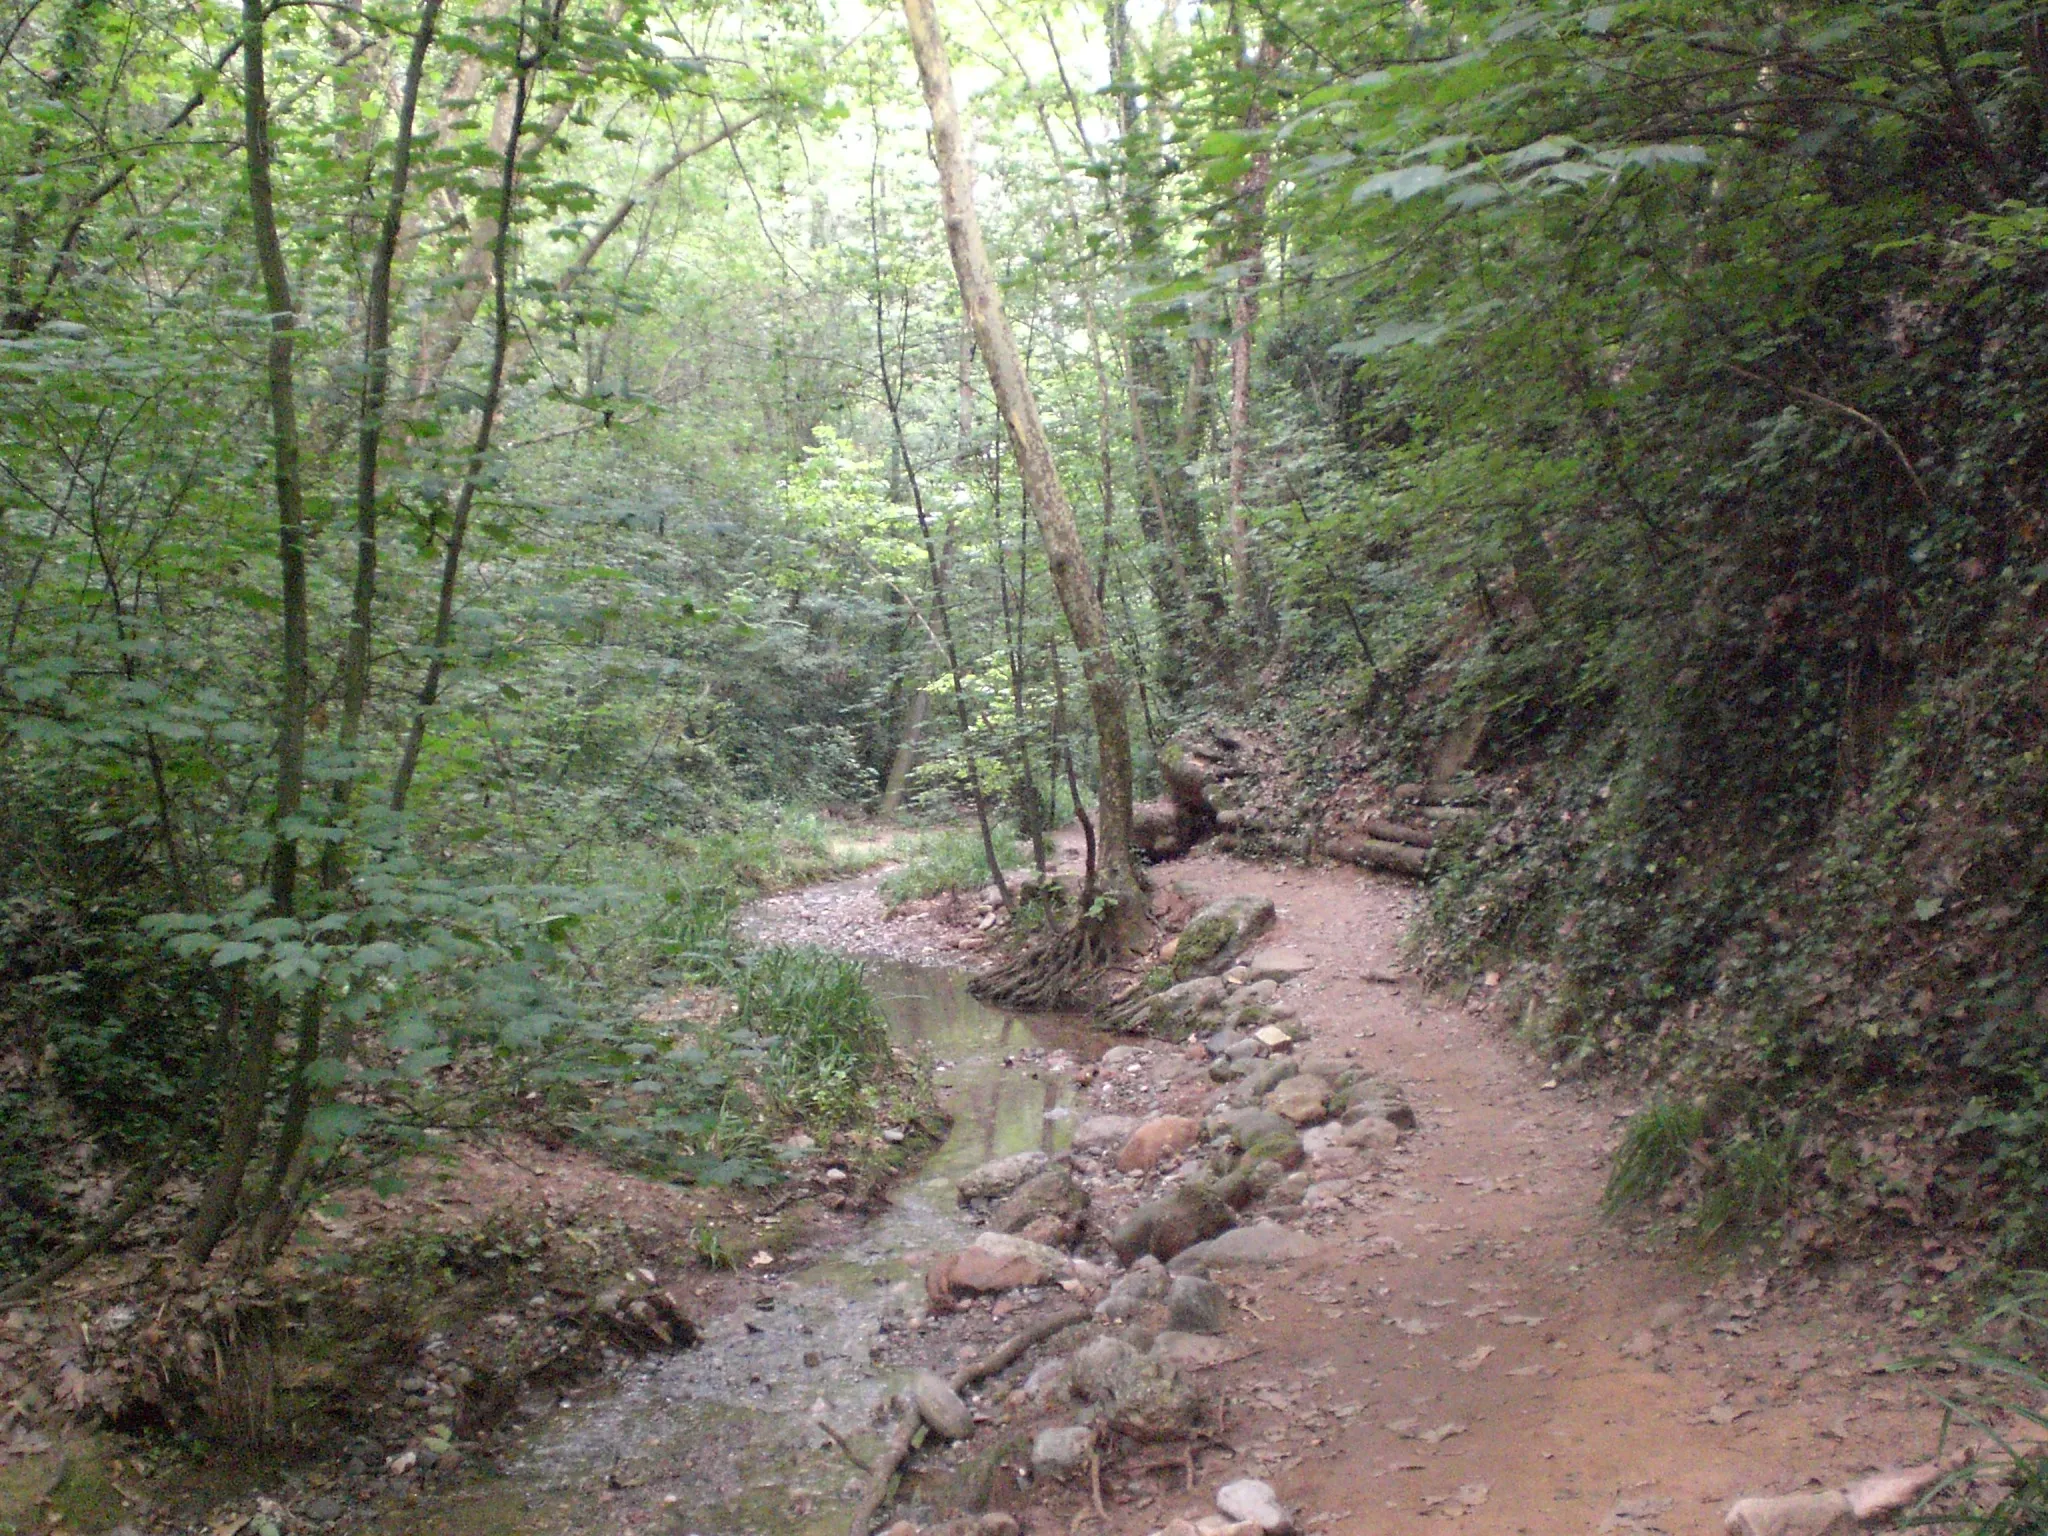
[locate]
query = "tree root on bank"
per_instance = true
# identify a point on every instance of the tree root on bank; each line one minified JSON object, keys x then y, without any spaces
{"x":1061,"y":972}
{"x":898,"y":1449}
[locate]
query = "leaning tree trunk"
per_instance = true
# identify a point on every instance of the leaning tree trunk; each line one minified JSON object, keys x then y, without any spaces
{"x":1122,"y":913}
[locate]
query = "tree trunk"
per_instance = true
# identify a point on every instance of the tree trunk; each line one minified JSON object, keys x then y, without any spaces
{"x":1065,"y":558}
{"x":249,"y":1084}
{"x":1247,"y":583}
{"x":529,"y":64}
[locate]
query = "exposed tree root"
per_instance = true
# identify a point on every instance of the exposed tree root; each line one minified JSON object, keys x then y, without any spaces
{"x":1061,"y":972}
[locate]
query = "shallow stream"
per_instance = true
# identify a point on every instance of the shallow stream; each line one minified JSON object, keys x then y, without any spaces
{"x":723,"y":1440}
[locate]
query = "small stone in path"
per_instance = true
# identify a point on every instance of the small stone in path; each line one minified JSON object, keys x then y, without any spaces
{"x":1061,"y":1452}
{"x":999,"y":1177}
{"x":1104,"y":1131}
{"x":1157,"y":1140}
{"x":1197,"y":1305}
{"x":1165,"y":1226}
{"x":1249,"y":1499}
{"x":940,"y":1406}
{"x":1265,"y":1242}
{"x":1276,"y":964}
{"x":1146,"y":1282}
{"x":1302,"y":1099}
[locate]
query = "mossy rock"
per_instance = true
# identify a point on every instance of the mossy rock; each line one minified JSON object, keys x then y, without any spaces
{"x":1219,"y":933}
{"x":1281,"y":1147}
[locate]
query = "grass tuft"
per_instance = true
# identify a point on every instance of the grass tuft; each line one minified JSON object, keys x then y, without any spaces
{"x":1656,"y":1149}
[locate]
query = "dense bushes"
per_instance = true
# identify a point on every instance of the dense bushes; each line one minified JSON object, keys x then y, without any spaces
{"x":1690,"y":434}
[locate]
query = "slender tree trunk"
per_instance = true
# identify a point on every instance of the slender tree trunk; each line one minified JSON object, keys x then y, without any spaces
{"x":355,"y":676}
{"x":249,"y":1082}
{"x":529,"y":63}
{"x":1247,"y":582}
{"x":1066,"y":560}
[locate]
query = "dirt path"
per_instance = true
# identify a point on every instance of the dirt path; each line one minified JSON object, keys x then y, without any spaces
{"x":1475,"y":1342}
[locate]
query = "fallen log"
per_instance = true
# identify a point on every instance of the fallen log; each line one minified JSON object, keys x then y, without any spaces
{"x":1396,"y":832}
{"x":1448,"y":813}
{"x":898,"y":1449}
{"x":1429,"y":794}
{"x":1397,"y":858}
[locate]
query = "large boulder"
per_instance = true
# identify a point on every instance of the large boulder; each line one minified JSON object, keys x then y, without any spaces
{"x":996,"y":1262}
{"x":1194,"y":1006}
{"x":1163,"y":1227}
{"x":1255,"y":1124}
{"x":1219,"y":933}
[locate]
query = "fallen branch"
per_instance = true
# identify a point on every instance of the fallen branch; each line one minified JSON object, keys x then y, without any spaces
{"x":898,"y":1449}
{"x":851,"y":1454}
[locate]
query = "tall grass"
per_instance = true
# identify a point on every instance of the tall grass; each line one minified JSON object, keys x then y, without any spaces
{"x":947,"y":859}
{"x":821,"y":1039}
{"x":2019,"y":1464}
{"x":1655,"y":1149}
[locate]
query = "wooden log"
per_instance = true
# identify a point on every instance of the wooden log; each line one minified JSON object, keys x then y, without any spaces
{"x":1398,"y":858}
{"x":1395,"y":832}
{"x":1448,"y":813}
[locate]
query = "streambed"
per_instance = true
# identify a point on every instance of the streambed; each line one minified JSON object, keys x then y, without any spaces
{"x":722,"y":1440}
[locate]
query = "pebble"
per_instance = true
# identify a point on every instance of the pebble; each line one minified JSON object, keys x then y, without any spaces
{"x":1061,"y":1452}
{"x":1265,"y":1242}
{"x":1249,"y":1499}
{"x":1197,"y":1305}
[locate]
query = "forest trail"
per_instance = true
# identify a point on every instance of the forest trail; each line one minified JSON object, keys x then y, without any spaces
{"x":1475,"y":1341}
{"x":1652,"y":1391}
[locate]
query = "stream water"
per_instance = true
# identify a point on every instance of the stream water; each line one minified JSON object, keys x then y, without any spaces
{"x":722,"y":1440}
